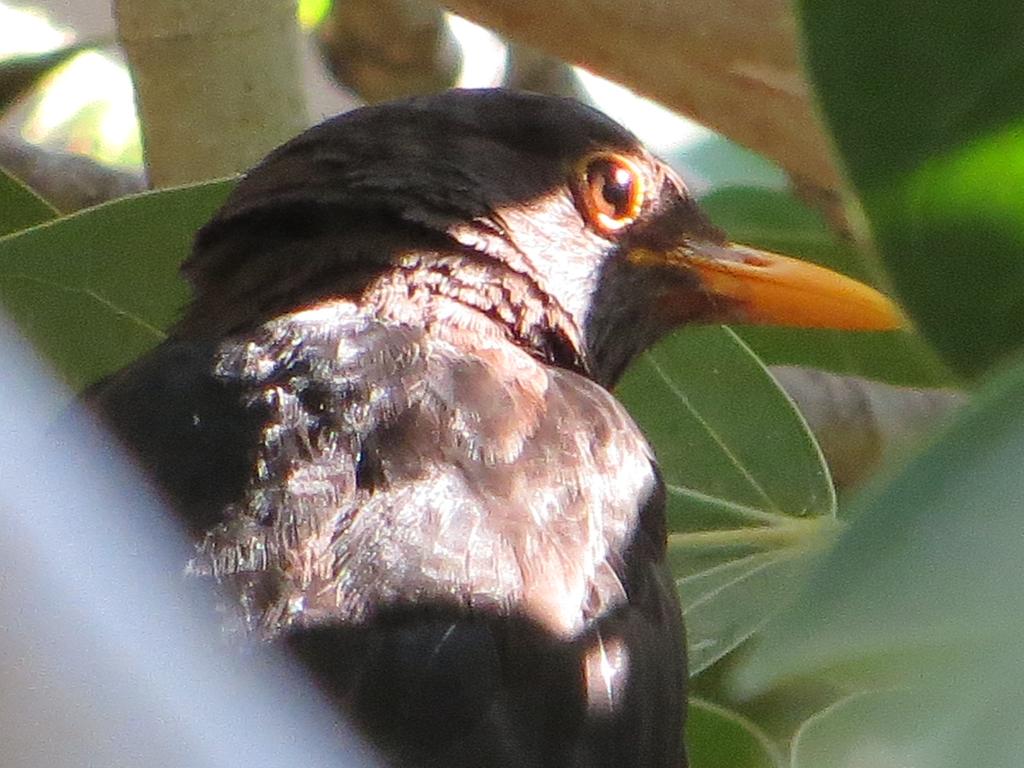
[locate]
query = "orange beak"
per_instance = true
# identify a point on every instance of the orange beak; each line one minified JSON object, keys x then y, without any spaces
{"x":761,"y":288}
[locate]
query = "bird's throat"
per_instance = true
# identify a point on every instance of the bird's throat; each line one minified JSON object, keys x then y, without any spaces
{"x":481,"y":297}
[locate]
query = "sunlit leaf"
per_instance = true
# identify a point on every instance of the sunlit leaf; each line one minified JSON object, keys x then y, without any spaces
{"x":718,"y":738}
{"x":924,"y":590}
{"x":313,"y":12}
{"x":95,"y":289}
{"x":20,"y":207}
{"x":743,"y":477}
{"x":926,"y":109}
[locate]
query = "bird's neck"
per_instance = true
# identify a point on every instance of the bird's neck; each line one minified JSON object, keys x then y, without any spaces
{"x":464,"y":290}
{"x":372,"y":262}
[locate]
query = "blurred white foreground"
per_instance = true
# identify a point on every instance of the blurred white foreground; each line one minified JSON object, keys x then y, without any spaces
{"x":107,"y":657}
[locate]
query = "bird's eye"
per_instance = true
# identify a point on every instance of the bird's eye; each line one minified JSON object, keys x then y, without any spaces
{"x":611,"y":191}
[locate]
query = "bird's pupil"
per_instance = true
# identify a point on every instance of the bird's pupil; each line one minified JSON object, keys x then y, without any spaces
{"x":613,"y":185}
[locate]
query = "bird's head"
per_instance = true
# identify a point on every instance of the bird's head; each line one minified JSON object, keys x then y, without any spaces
{"x":539,"y":211}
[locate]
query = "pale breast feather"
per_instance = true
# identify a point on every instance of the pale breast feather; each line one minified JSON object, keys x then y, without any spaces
{"x":396,"y":464}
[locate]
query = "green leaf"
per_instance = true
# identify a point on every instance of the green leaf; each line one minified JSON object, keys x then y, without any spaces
{"x":726,"y":604}
{"x":776,"y":221}
{"x":96,"y":289}
{"x":20,"y":207}
{"x":743,"y":476}
{"x":924,"y":589}
{"x":862,"y":730}
{"x":719,"y":738}
{"x":725,"y":434}
{"x":926,"y":109}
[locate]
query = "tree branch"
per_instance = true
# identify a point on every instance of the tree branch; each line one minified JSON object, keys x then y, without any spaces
{"x":68,"y":182}
{"x":218,"y":84}
{"x":732,"y":65}
{"x":860,"y":423}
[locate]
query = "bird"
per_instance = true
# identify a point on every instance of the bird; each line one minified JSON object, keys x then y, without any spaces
{"x":386,"y":420}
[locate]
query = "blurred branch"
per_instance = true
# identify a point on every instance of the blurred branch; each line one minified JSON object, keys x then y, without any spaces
{"x":385,"y":49}
{"x":217,"y":84}
{"x":732,"y":65}
{"x":68,"y":182}
{"x":859,"y":422}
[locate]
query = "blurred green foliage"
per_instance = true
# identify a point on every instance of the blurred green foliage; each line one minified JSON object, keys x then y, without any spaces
{"x":926,"y":108}
{"x":916,"y":610}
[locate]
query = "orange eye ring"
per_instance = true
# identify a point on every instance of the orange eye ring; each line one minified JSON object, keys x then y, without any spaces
{"x":610,"y":189}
